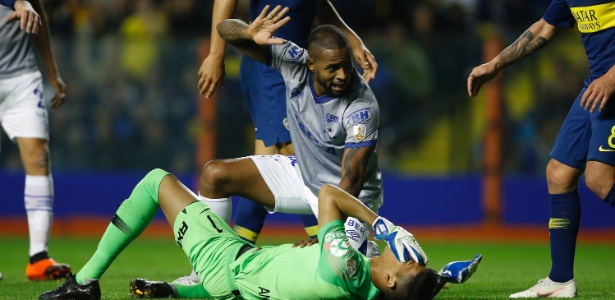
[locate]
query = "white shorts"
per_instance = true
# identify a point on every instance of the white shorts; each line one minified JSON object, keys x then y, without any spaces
{"x":282,"y":175}
{"x":22,"y":108}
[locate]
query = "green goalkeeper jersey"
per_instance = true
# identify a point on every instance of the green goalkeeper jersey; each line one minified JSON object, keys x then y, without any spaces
{"x":331,"y":270}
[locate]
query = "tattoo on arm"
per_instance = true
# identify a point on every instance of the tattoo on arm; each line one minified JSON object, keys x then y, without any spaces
{"x":526,"y":44}
{"x":235,"y":33}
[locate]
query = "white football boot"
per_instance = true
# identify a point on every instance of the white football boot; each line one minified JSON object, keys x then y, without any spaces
{"x":547,"y":288}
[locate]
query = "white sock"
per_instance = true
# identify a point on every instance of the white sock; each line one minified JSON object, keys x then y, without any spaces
{"x":38,"y":200}
{"x":222,"y":207}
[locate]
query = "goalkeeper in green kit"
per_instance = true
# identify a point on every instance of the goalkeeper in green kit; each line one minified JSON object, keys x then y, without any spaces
{"x":231,"y":268}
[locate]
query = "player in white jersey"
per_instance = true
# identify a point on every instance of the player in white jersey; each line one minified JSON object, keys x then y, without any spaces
{"x":23,"y":115}
{"x":333,"y":121}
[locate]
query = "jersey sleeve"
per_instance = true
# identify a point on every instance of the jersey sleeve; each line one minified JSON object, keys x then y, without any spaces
{"x":361,"y":120}
{"x":558,"y":14}
{"x":288,"y":58}
{"x":340,"y":264}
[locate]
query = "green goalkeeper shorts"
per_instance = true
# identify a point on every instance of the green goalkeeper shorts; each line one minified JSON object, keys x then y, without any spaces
{"x":211,"y":246}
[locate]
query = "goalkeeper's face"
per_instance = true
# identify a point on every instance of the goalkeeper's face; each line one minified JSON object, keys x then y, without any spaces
{"x":399,"y":279}
{"x":393,"y":268}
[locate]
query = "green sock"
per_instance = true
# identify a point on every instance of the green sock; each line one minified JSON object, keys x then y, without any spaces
{"x":191,"y":291}
{"x":131,"y":218}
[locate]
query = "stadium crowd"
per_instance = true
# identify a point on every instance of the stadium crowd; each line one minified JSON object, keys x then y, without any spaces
{"x":131,"y":103}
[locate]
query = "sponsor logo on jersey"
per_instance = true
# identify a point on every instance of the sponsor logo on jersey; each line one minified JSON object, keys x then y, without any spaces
{"x":602,"y":149}
{"x":359,"y":132}
{"x":293,"y":53}
{"x":296,"y":92}
{"x":595,"y":17}
{"x":332,"y":118}
{"x":313,"y":138}
{"x":338,"y":247}
{"x":361,"y":116}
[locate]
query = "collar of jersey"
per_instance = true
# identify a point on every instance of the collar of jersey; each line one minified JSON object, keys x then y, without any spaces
{"x":318,"y":99}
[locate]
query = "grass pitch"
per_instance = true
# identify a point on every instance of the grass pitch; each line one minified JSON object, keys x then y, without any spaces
{"x":506,"y":267}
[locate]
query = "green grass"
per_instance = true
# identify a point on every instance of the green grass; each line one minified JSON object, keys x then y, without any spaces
{"x":506,"y":268}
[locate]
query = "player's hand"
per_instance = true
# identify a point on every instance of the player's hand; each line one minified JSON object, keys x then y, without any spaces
{"x":460,"y":271}
{"x":367,"y":61}
{"x":30,"y":21}
{"x":211,"y":75}
{"x":402,"y":243}
{"x":479,"y":76}
{"x":598,"y":93}
{"x":60,"y":91}
{"x":303,"y":243}
{"x":263,"y":27}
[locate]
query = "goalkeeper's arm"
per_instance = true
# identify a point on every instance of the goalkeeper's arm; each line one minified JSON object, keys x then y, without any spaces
{"x":336,"y":204}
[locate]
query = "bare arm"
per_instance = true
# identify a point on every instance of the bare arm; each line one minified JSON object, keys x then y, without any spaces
{"x":336,"y":204}
{"x":251,"y":39}
{"x":43,"y":42}
{"x":211,"y":74}
{"x":533,"y":39}
{"x":354,"y":167}
{"x":328,"y":15}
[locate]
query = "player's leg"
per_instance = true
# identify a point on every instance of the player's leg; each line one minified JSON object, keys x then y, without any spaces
{"x":25,"y":120}
{"x":600,"y":178}
{"x":38,"y":200}
{"x":568,"y":161}
{"x":222,"y":178}
{"x":249,"y":215}
{"x":131,"y":218}
{"x":600,"y":171}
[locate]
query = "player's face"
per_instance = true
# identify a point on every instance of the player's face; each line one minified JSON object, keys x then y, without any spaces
{"x":333,"y":71}
{"x":387,"y":261}
{"x":409,"y":267}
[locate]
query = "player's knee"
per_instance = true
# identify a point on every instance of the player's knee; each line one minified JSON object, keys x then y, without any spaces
{"x":598,"y":184}
{"x":36,"y":159}
{"x":560,"y":179}
{"x":213,"y":176}
{"x":152,"y":180}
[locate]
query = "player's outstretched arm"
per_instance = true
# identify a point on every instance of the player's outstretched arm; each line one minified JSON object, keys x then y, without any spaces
{"x":251,"y":39}
{"x":327,"y":14}
{"x":533,"y":39}
{"x":212,"y":71}
{"x":29,"y":20}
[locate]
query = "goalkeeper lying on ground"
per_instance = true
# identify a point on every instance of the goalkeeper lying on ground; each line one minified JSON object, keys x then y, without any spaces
{"x":231,"y":268}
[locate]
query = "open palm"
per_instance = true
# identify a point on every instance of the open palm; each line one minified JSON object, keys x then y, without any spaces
{"x":266,"y":24}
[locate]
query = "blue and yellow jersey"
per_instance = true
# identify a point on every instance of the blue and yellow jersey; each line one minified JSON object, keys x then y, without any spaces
{"x":596,"y":22}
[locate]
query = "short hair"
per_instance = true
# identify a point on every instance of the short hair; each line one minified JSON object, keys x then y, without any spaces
{"x":326,"y":37}
{"x":418,"y":287}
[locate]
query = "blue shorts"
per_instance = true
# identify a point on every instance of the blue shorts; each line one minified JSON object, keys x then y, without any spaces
{"x":265,"y":92}
{"x":586,"y":136}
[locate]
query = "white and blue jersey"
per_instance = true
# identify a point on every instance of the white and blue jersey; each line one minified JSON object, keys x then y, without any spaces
{"x":16,"y":49}
{"x":584,"y":135}
{"x":262,"y":85}
{"x":322,"y":128}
